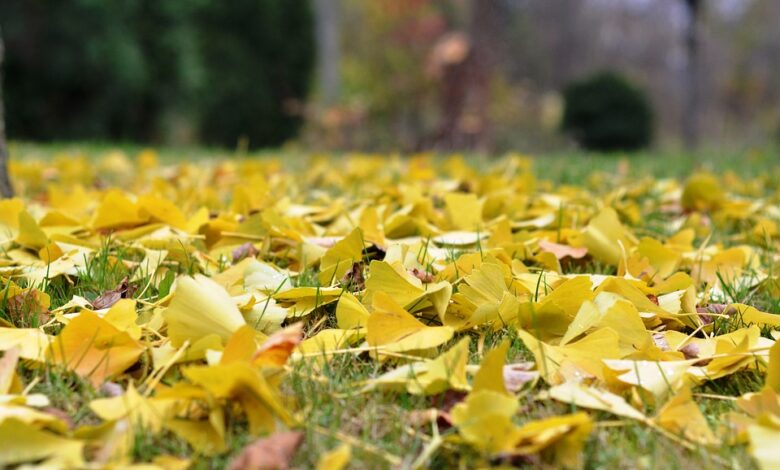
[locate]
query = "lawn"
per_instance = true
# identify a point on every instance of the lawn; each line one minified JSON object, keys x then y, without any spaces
{"x":172,"y":306}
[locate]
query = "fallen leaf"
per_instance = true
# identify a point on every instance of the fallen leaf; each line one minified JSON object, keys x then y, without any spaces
{"x":335,"y":459}
{"x":94,"y":348}
{"x":562,"y":251}
{"x":395,"y":330}
{"x":201,"y":307}
{"x":353,"y":279}
{"x":271,"y":453}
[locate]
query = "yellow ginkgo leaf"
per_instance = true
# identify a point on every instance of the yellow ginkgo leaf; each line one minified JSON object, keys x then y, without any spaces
{"x":169,"y":462}
{"x":335,"y":459}
{"x":682,"y":416}
{"x":726,"y":265}
{"x":660,"y":378}
{"x":149,"y":265}
{"x":19,"y":408}
{"x":350,"y":313}
{"x":321,"y":346}
{"x":393,"y":329}
{"x":241,"y":346}
{"x":767,"y":401}
{"x":484,"y":420}
{"x":204,"y":435}
{"x":122,"y":316}
{"x":582,"y":358}
{"x":31,"y":445}
{"x":483,"y":299}
{"x":653,"y":260}
{"x":148,"y":413}
{"x":551,"y":317}
{"x":275,"y":350}
{"x":773,"y":369}
{"x":340,"y":257}
{"x":246,"y":385}
{"x":702,"y":192}
{"x":117,"y":211}
{"x":301,"y":301}
{"x":606,"y":238}
{"x":731,"y":357}
{"x":464,"y":211}
{"x":594,"y":399}
{"x":751,"y":315}
{"x":587,"y":317}
{"x":264,"y":277}
{"x":459,"y":238}
{"x":94,"y":348}
{"x":201,"y":307}
{"x":406,"y":289}
{"x":32,"y":342}
{"x":195,"y":351}
{"x":30,"y":234}
{"x":369,"y":223}
{"x":262,"y":313}
{"x":8,"y":370}
{"x":612,"y":311}
{"x":764,"y":436}
{"x":445,"y":372}
{"x":9,"y":214}
{"x":490,"y":375}
{"x":560,"y":439}
{"x":161,"y":210}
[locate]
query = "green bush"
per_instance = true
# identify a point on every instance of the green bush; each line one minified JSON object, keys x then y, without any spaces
{"x":72,"y":70}
{"x":257,"y":60}
{"x":606,"y":112}
{"x":88,"y":69}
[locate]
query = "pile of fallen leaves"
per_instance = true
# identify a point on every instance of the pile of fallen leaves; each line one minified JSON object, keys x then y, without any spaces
{"x":628,"y":294}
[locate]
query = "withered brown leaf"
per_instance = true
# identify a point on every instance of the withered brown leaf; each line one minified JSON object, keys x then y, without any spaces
{"x":270,"y":453}
{"x":354,"y":278}
{"x":124,"y":290}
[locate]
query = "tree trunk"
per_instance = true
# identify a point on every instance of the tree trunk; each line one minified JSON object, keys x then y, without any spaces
{"x":6,"y":190}
{"x":328,"y":51}
{"x":465,"y":88}
{"x":692,"y":110}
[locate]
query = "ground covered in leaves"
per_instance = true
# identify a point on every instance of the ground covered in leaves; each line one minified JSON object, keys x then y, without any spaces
{"x":378,"y":312}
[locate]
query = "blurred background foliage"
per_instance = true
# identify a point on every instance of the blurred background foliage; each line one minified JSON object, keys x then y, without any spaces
{"x":605,"y":112}
{"x":403,"y":75}
{"x":150,"y":70}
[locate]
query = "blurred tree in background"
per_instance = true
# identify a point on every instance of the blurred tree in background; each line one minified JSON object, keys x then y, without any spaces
{"x":605,"y":112}
{"x":257,"y":59}
{"x":154,"y":70}
{"x":6,"y":190}
{"x":402,"y":75}
{"x":712,"y":74}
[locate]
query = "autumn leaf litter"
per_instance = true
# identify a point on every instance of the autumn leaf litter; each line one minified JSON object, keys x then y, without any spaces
{"x":225,"y":284}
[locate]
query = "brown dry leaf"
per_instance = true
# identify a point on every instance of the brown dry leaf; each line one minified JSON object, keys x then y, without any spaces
{"x":354,"y":279}
{"x":124,"y":290}
{"x":29,"y":306}
{"x":690,"y":350}
{"x":270,"y":453}
{"x":424,"y":276}
{"x":244,"y":251}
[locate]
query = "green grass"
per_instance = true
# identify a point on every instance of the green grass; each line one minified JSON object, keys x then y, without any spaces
{"x":377,"y":423}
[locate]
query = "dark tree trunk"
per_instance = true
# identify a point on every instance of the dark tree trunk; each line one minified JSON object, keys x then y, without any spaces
{"x":465,"y":94}
{"x":692,"y":112}
{"x":328,"y":50}
{"x":6,"y":190}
